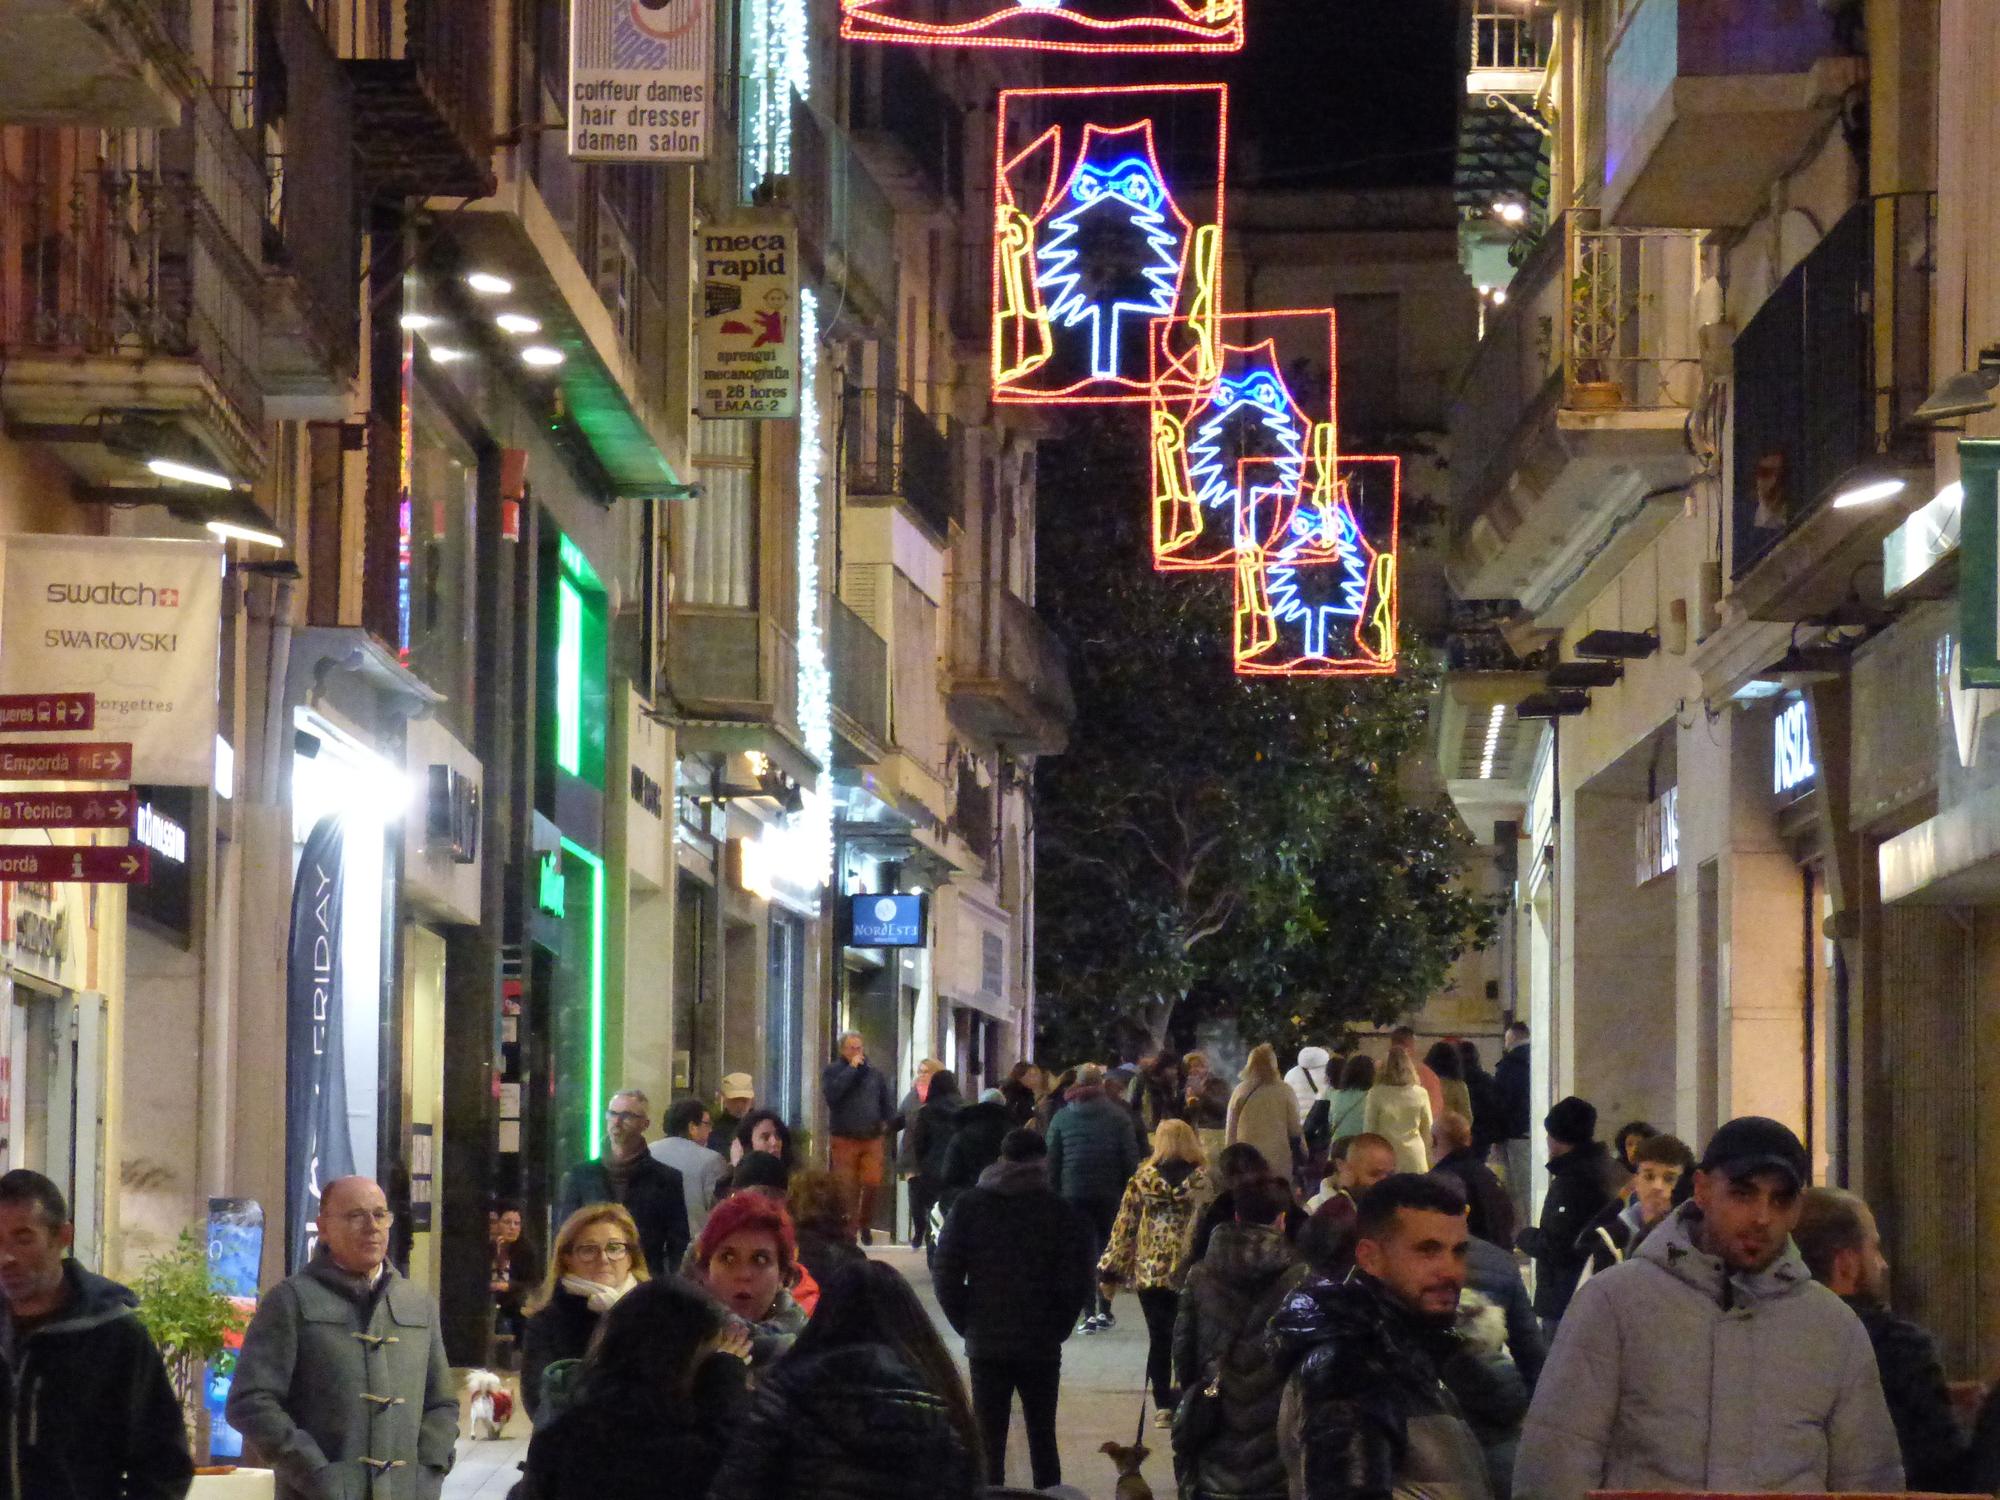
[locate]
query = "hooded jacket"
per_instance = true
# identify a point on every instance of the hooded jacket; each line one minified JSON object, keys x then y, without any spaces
{"x":1366,"y":1413}
{"x":1218,"y":1335}
{"x":1093,"y":1149}
{"x":1670,"y":1373}
{"x":975,"y":1145}
{"x":89,"y":1412}
{"x":1308,"y":1077}
{"x":626,"y":1442}
{"x":1581,"y":1184}
{"x":1013,"y":1265}
{"x":1154,"y":1232}
{"x":849,"y":1423}
{"x":345,"y":1389}
{"x":1913,"y":1383}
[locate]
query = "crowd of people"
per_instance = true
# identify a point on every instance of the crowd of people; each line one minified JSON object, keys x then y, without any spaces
{"x":1328,"y":1262}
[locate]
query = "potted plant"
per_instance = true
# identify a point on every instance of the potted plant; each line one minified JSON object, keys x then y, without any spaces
{"x":1593,"y":340}
{"x":190,"y":1322}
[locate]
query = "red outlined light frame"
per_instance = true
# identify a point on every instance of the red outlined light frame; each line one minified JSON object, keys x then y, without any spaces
{"x":1022,"y":339}
{"x":1182,"y":380}
{"x":1182,"y":26}
{"x":1256,"y":640}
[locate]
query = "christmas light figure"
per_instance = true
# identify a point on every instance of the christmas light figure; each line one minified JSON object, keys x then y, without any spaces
{"x":1093,"y":245}
{"x":1114,"y":26}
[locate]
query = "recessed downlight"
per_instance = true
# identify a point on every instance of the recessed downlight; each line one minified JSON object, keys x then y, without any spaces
{"x":488,"y":285}
{"x":443,"y":354}
{"x":1871,"y":493}
{"x":168,"y":468}
{"x":513,"y":322}
{"x":544,"y":356}
{"x":416,"y":321}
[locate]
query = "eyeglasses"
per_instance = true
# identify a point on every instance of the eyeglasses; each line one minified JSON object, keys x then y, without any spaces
{"x":628,"y":1114}
{"x":361,"y":1218}
{"x":609,"y":1250}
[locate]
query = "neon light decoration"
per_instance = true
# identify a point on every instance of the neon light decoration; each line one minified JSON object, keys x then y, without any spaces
{"x":1050,"y":25}
{"x":1092,"y":244}
{"x":1208,"y":417}
{"x":1316,"y":594}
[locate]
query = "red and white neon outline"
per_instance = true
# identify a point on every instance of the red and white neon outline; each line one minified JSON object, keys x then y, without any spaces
{"x":1189,"y":26}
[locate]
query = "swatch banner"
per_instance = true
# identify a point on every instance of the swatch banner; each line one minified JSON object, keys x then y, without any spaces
{"x":317,"y":1148}
{"x":135,"y":620}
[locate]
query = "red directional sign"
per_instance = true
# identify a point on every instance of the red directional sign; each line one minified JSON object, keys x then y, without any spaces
{"x":50,"y":761}
{"x":101,"y":865}
{"x":106,"y":809}
{"x":23,"y":713}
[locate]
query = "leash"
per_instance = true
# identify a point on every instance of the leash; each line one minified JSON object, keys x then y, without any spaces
{"x":1139,"y":1434}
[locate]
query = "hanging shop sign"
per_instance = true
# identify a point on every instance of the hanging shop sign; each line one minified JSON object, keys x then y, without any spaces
{"x":43,"y":713}
{"x":101,"y":865}
{"x":641,"y":76}
{"x":135,"y":622}
{"x":1793,"y":769}
{"x":1979,"y":563}
{"x":318,"y":1149}
{"x":106,"y":809}
{"x":161,"y":824}
{"x":748,"y":341}
{"x":887,"y":921}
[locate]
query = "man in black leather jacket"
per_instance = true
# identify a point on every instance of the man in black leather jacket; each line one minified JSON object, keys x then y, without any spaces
{"x":1376,"y":1396}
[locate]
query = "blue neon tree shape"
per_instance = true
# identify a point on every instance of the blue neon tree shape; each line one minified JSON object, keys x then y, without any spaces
{"x":1317,"y":528}
{"x":1251,"y":414}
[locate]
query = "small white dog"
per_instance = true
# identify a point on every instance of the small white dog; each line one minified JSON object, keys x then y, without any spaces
{"x":492,"y":1403}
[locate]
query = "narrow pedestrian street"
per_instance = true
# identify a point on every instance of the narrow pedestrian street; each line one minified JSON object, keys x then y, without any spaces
{"x":1100,"y":1401}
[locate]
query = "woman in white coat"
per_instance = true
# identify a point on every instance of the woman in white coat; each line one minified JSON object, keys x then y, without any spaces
{"x":1399,"y":1111}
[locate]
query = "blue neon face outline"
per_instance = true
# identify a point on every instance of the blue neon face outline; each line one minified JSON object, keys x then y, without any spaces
{"x":1213,"y":474}
{"x":1130,"y":186}
{"x":1315,"y":528}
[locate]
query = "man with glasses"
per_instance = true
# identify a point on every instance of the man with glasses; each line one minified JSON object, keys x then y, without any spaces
{"x":342,"y":1385}
{"x":652,"y":1192}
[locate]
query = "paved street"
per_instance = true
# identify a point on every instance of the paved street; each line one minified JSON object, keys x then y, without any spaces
{"x":1100,"y":1399}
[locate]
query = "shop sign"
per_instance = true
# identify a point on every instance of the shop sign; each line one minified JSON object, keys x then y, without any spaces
{"x":887,"y":921}
{"x":451,"y":815}
{"x":1660,"y":836}
{"x":65,"y":761}
{"x":640,"y":79}
{"x":100,"y":865}
{"x":108,"y":809}
{"x":551,"y":890}
{"x":423,"y":1176}
{"x":1793,"y":766}
{"x":748,"y":340}
{"x":164,"y":816}
{"x":135,"y":622}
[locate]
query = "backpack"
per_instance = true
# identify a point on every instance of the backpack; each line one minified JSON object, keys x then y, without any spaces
{"x":1318,"y":1128}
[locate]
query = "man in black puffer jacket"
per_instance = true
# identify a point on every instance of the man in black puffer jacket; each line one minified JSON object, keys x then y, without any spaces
{"x":1225,"y":1308}
{"x":1368,"y":1409}
{"x":1013,"y":1272}
{"x":1583,"y":1179}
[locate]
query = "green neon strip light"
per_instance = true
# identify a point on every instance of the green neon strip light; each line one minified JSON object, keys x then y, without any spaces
{"x":569,"y":677}
{"x":572,"y":561}
{"x":594,"y":1129}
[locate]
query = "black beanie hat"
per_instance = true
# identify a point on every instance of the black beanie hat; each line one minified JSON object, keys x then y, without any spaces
{"x":1573,"y":1121}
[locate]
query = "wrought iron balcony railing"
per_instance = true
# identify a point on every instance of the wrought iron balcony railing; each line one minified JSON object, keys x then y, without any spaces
{"x":894,"y":448}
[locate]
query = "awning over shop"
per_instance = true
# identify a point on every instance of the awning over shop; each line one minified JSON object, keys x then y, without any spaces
{"x":1952,"y":859}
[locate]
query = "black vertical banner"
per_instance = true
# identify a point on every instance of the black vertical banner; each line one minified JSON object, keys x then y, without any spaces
{"x":317,"y":1147}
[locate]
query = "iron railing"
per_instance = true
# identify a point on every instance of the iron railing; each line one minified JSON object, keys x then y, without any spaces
{"x":1630,"y":339}
{"x":1503,"y":36}
{"x":997,"y":637}
{"x":860,"y":662}
{"x":894,"y":448}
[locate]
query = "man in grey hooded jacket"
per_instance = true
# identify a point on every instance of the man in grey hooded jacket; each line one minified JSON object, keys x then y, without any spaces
{"x":1711,"y":1360}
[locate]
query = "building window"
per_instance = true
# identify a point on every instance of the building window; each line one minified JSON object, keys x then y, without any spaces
{"x":715,"y":537}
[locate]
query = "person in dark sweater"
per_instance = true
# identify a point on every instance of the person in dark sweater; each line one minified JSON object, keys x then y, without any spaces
{"x":627,"y":1173}
{"x":1234,"y":1166}
{"x":1583,"y":1178}
{"x":1452,"y":1151}
{"x":930,"y":1139}
{"x":1842,"y":1246}
{"x":1093,"y":1152}
{"x":860,"y":1116}
{"x":1013,"y":1273}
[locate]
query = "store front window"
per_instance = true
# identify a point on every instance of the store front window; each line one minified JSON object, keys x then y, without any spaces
{"x":435,"y":585}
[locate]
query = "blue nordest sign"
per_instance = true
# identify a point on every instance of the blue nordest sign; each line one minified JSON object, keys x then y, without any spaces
{"x":887,"y":922}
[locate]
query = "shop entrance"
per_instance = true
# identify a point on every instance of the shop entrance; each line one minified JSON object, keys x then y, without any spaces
{"x":53,"y":1105}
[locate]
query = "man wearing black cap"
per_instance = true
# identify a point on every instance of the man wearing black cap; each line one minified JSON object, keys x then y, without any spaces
{"x":1710,"y":1359}
{"x":1582,"y":1180}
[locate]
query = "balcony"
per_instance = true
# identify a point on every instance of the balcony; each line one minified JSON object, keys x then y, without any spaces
{"x":132,"y":290}
{"x":860,"y":663}
{"x":1572,"y":417}
{"x":1708,"y":101}
{"x":846,"y":220}
{"x":735,"y":675}
{"x":895,"y":452}
{"x":422,"y":72}
{"x":312,"y":240}
{"x":910,"y":130}
{"x":1827,"y":375}
{"x":1509,"y":40}
{"x":108,"y":64}
{"x":1007,"y":676}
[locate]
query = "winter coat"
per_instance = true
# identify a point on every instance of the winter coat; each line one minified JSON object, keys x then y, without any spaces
{"x":1013,"y":1266}
{"x":931,"y":1133}
{"x":1490,"y":1271}
{"x":1669,"y":1373}
{"x":975,"y":1146}
{"x":1581,"y":1182}
{"x":90,"y":1414}
{"x":906,"y":1135}
{"x":1092,"y":1149}
{"x":1347,"y":1111}
{"x":1492,"y":1211}
{"x":1487,"y":1131}
{"x":1913,"y":1384}
{"x":1154,"y":1231}
{"x":655,"y":1196}
{"x":1219,"y":1336}
{"x":1020,"y":1102}
{"x":701,"y":1173}
{"x":1308,"y":1077}
{"x":1606,"y":1238}
{"x":1266,"y":1115}
{"x":1401,"y":1115}
{"x":1222,"y":1210}
{"x":613,"y":1444}
{"x":560,"y":1330}
{"x":850,"y":1423}
{"x":1512,"y":1088}
{"x":859,"y":1103}
{"x":1210,"y":1110}
{"x":1490,"y":1388}
{"x":320,"y":1347}
{"x":1366,"y":1412}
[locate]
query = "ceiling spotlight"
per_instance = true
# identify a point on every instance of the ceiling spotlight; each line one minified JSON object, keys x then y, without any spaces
{"x":1499,"y":296}
{"x":488,"y":285}
{"x":170,"y":468}
{"x":443,"y":354}
{"x":1869,"y":492}
{"x":415,"y":321}
{"x":1965,"y":394}
{"x":542,"y":355}
{"x":235,"y":531}
{"x":510,"y":322}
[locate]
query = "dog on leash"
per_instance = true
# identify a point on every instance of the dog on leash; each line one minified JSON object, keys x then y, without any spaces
{"x":492,"y":1403}
{"x":1131,"y":1483}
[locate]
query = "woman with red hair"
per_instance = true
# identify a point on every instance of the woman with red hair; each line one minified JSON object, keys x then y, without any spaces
{"x":748,"y":1257}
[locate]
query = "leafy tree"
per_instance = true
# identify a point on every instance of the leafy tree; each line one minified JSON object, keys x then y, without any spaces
{"x":1210,"y":844}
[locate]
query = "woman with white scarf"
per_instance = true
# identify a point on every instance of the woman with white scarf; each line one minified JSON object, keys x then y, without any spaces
{"x":596,"y":1261}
